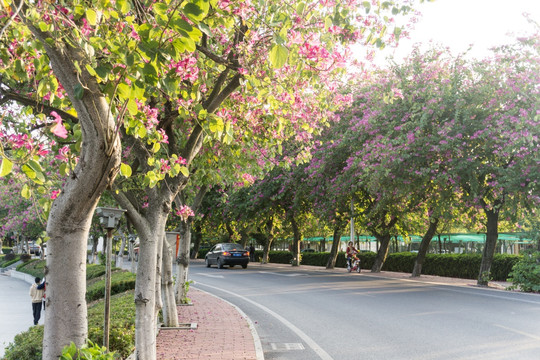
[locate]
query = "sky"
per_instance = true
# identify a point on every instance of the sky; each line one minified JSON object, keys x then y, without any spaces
{"x":459,"y":23}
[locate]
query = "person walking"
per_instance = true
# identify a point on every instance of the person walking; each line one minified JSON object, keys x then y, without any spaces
{"x":36,"y":294}
{"x":252,"y":253}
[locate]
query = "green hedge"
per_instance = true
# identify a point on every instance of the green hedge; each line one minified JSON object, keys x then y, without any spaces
{"x":8,"y":260}
{"x":7,"y":250}
{"x":122,"y":328}
{"x":28,"y":345}
{"x":121,"y":281}
{"x":463,"y":266}
{"x":94,"y":270}
{"x":34,"y":267}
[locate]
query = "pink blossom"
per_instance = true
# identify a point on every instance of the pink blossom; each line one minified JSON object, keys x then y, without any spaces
{"x":58,"y":129}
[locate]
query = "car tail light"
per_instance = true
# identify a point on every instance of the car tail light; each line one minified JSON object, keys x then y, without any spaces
{"x":246,"y":253}
{"x":226,"y":253}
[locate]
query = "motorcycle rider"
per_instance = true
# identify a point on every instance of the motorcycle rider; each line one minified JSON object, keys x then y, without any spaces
{"x":351,"y":252}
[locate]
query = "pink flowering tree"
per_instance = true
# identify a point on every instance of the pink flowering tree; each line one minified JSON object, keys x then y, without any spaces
{"x":167,"y":79}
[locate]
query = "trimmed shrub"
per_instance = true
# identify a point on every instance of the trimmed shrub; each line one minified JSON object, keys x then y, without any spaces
{"x":525,"y":274}
{"x":122,"y":328}
{"x":26,"y":257}
{"x":7,"y":250}
{"x":27,"y":345}
{"x":120,"y":281}
{"x":321,"y":259}
{"x":34,"y":267}
{"x":9,"y":259}
{"x":94,"y":271}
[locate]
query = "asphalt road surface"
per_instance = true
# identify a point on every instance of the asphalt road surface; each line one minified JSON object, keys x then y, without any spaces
{"x":316,"y":314}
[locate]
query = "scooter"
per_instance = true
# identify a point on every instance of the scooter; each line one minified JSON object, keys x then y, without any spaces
{"x":355,"y":264}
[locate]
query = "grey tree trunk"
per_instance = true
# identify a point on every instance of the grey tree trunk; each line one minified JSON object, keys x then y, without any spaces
{"x":71,"y":213}
{"x":120,"y":255}
{"x":335,"y":247}
{"x":170,"y":313}
{"x":182,"y":263}
{"x":269,"y":240}
{"x":424,"y":246}
{"x":489,"y":247}
{"x":297,"y":238}
{"x":382,"y":253}
{"x":197,"y":237}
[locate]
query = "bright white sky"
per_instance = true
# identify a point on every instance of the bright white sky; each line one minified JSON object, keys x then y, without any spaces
{"x":459,"y":23}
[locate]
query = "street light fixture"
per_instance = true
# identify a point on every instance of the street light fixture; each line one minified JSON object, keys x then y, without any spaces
{"x":109,"y":219}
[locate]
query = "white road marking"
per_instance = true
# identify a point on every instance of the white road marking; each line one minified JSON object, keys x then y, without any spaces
{"x":211,"y":276}
{"x":518,"y":332}
{"x":309,"y":341}
{"x":280,"y":274}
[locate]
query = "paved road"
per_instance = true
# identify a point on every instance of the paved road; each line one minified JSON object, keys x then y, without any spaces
{"x":15,"y":309}
{"x":306,"y":314}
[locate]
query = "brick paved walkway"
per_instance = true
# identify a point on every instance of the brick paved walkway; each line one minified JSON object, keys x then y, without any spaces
{"x":222,"y":332}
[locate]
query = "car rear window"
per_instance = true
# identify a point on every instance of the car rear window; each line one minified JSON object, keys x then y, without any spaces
{"x":230,"y":247}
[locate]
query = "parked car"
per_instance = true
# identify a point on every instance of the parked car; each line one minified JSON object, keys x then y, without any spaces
{"x":310,"y":250}
{"x":35,"y":249}
{"x":227,"y":254}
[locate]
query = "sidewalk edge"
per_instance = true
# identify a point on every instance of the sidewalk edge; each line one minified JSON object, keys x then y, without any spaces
{"x":256,"y":339}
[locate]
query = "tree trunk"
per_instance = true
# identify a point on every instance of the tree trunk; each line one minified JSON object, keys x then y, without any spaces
{"x":489,"y":247}
{"x":170,"y":313}
{"x":95,"y":242}
{"x":382,"y":253}
{"x":269,"y":239}
{"x":296,"y":245}
{"x":196,"y":241}
{"x":120,"y":255}
{"x":182,"y":263}
{"x":335,"y":247}
{"x":424,"y":246}
{"x":159,"y":264}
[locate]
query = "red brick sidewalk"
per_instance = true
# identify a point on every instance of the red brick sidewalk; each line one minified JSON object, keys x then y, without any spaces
{"x":222,"y":333}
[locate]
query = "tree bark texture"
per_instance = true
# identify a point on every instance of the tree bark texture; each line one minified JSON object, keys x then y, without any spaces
{"x":170,"y":313}
{"x":297,"y":238}
{"x":335,"y":248}
{"x":269,"y":240}
{"x":182,"y":262}
{"x":489,"y":247}
{"x":424,"y":246}
{"x":71,"y":213}
{"x":382,"y":253}
{"x":197,"y":237}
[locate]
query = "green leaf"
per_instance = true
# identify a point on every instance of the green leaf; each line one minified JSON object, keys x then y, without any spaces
{"x":5,"y":167}
{"x":124,"y":91}
{"x":132,"y":107}
{"x":26,"y":192}
{"x":278,"y":56}
{"x":64,"y":170}
{"x":184,"y":170}
{"x":28,"y":171}
{"x":125,"y":170}
{"x":79,"y":91}
{"x":91,"y":17}
{"x":194,"y":12}
{"x":156,"y":147}
{"x":160,"y":8}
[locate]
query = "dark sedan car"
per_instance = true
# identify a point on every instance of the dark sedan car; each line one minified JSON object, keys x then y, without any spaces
{"x":227,"y":254}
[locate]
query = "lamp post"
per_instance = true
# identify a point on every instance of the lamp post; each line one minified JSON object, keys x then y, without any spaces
{"x":109,"y":218}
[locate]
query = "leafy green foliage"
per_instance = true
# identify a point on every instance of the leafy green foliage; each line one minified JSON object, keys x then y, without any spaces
{"x":34,"y":267}
{"x":94,"y":270}
{"x":89,"y":351}
{"x":525,"y":274}
{"x":26,"y":345}
{"x":120,"y":281}
{"x":9,"y":259}
{"x":122,"y":329}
